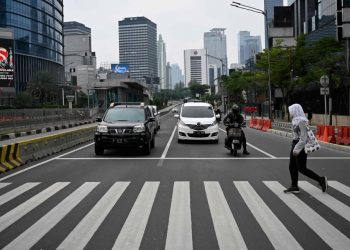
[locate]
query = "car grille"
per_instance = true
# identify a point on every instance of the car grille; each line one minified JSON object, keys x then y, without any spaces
{"x":198,"y":127}
{"x":120,"y":131}
{"x":199,"y":135}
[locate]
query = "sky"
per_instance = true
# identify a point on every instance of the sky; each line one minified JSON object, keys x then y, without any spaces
{"x":181,"y":23}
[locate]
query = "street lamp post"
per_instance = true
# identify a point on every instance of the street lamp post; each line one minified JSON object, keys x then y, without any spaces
{"x":252,"y":9}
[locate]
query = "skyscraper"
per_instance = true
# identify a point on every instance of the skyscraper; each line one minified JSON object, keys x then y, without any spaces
{"x":35,"y":31}
{"x":248,"y":46}
{"x":176,"y":75}
{"x":215,"y":43}
{"x":138,"y":47}
{"x":161,"y":53}
{"x":196,"y":66}
{"x":269,"y":9}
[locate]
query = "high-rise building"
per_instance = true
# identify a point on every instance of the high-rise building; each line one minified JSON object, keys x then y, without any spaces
{"x":34,"y":32}
{"x":196,"y":66}
{"x":215,"y":43}
{"x":248,"y":46}
{"x":176,"y":75}
{"x":79,"y":60}
{"x":168,"y":76}
{"x":138,"y":47}
{"x":269,"y":9}
{"x":161,"y":53}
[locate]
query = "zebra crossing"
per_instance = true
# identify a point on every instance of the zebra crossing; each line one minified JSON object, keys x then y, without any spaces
{"x":179,"y":233}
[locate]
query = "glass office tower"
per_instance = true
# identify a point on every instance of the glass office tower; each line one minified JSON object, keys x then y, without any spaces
{"x":37,"y":28}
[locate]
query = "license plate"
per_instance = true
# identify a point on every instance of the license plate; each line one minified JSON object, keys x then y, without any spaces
{"x":119,"y":140}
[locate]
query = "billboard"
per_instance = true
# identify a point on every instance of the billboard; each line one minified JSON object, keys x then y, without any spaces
{"x":120,"y":68}
{"x":6,"y":63}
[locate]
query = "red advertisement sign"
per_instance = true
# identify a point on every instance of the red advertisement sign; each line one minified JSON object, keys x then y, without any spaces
{"x":6,"y":63}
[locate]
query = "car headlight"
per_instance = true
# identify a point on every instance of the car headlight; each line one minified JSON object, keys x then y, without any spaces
{"x":102,"y":129}
{"x":214,"y":123}
{"x":182,"y":123}
{"x":139,"y":129}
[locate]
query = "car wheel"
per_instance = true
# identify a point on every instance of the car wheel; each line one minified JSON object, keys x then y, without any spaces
{"x":153,"y":143}
{"x":216,"y":141}
{"x":99,"y":149}
{"x":179,"y":140}
{"x":158,"y":127}
{"x":147,"y":148}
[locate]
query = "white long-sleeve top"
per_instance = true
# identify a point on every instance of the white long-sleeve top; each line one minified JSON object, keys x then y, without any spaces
{"x":300,"y":133}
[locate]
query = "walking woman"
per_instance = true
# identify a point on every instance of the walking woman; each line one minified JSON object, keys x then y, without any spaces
{"x":298,"y":157}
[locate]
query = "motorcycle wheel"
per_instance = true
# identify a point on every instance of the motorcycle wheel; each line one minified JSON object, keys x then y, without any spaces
{"x":235,"y":152}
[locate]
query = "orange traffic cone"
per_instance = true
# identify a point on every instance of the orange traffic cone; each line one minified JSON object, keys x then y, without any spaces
{"x":325,"y":134}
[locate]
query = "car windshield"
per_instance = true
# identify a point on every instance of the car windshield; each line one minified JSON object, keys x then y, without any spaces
{"x":125,"y":114}
{"x":197,"y":111}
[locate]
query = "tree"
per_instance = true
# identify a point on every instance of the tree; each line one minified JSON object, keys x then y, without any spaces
{"x":197,"y":88}
{"x":42,"y":86}
{"x":23,"y":100}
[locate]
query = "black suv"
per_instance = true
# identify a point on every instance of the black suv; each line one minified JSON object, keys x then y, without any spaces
{"x":125,"y":126}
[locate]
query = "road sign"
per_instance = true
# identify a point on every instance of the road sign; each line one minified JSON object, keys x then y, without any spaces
{"x":324,"y":81}
{"x":324,"y":91}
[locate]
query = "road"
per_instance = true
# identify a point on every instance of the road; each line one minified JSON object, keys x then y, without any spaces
{"x":182,"y":196}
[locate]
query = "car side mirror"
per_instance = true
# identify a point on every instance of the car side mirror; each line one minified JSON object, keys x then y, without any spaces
{"x":177,"y":116}
{"x":98,"y":119}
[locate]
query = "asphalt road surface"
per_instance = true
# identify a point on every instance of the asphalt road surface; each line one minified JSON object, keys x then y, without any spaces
{"x":182,"y":196}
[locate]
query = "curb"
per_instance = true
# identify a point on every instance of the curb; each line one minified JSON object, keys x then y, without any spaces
{"x":324,"y":144}
{"x":43,"y":130}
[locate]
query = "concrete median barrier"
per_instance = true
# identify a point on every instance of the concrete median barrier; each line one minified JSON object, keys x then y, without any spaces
{"x":18,"y":154}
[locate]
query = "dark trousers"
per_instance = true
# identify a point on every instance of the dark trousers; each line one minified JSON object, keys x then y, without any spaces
{"x":298,"y":164}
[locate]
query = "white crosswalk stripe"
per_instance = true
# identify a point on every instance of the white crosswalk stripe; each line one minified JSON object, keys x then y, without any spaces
{"x":226,"y":228}
{"x":131,"y":234}
{"x":338,"y":207}
{"x":83,"y":232}
{"x":340,"y":187}
{"x":179,"y":235}
{"x":33,"y":234}
{"x":332,"y":236}
{"x":17,"y":192}
{"x":179,"y":229}
{"x":4,"y":184}
{"x":12,"y":216}
{"x":278,"y":235}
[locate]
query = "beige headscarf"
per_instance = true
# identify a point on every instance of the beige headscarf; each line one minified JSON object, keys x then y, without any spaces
{"x":296,"y":111}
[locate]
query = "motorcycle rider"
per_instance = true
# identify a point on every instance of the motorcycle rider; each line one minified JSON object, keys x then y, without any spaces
{"x":230,"y":118}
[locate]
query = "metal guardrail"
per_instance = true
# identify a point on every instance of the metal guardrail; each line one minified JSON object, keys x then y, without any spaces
{"x":287,"y":126}
{"x":13,"y":121}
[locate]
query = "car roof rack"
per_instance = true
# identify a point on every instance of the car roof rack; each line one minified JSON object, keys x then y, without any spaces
{"x":113,"y":104}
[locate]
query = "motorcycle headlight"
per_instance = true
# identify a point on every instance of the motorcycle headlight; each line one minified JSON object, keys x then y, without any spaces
{"x":102,"y":129}
{"x":182,"y":123}
{"x":139,"y":129}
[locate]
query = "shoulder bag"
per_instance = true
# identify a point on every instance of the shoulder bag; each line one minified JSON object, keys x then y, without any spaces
{"x":312,"y":144}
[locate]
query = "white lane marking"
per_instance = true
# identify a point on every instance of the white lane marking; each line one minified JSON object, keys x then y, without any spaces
{"x":161,"y":160}
{"x":200,"y":158}
{"x":332,"y":236}
{"x":134,"y":227}
{"x":17,"y":192}
{"x":12,"y":216}
{"x":84,"y":231}
{"x":179,"y":234}
{"x":340,"y":187}
{"x":256,"y":148}
{"x":226,"y":228}
{"x":33,"y":234}
{"x":44,"y":162}
{"x":2,"y":185}
{"x":277,"y":233}
{"x":334,"y":204}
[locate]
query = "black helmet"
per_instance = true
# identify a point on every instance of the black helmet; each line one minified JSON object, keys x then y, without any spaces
{"x":235,"y":108}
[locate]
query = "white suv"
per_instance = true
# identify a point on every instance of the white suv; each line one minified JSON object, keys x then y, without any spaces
{"x":197,"y":121}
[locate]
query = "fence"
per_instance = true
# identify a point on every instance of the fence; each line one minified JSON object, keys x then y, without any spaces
{"x":12,"y":121}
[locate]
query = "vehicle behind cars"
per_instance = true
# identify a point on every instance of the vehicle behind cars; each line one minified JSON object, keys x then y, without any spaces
{"x":156,"y":115}
{"x":197,"y":121}
{"x":127,"y":125}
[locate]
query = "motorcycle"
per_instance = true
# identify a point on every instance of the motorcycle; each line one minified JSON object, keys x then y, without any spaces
{"x":234,"y":132}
